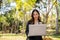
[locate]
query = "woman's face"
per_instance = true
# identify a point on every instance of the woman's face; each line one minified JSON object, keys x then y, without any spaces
{"x":35,"y":15}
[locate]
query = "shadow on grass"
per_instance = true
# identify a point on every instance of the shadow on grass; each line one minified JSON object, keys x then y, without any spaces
{"x":56,"y":35}
{"x":12,"y":34}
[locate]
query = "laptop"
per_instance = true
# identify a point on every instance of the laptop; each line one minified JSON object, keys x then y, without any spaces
{"x":37,"y":30}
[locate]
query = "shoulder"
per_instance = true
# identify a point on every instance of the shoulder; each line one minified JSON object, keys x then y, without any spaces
{"x":29,"y":22}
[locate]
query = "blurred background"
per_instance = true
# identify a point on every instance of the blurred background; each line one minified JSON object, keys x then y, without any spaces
{"x":14,"y":15}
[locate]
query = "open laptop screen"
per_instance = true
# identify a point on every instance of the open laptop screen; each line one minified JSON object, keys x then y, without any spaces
{"x":37,"y":29}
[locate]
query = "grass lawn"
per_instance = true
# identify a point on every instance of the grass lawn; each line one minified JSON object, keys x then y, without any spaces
{"x":23,"y":37}
{"x":56,"y":36}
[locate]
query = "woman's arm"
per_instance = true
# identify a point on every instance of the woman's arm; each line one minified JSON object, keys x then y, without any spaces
{"x":27,"y":29}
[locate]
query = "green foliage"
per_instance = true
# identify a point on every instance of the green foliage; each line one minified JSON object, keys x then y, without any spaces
{"x":12,"y":18}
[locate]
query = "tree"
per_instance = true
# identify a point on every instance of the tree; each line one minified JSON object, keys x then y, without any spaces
{"x":57,"y":14}
{"x":0,"y":3}
{"x":24,"y":6}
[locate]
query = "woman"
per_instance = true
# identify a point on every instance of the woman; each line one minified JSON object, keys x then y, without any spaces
{"x":34,"y":20}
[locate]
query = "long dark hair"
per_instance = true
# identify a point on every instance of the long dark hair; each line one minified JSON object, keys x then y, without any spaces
{"x":32,"y":19}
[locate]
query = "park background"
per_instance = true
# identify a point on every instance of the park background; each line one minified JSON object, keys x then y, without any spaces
{"x":14,"y":15}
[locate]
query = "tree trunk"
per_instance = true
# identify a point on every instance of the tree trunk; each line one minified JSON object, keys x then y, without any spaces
{"x":0,"y":3}
{"x":57,"y":14}
{"x":48,"y":10}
